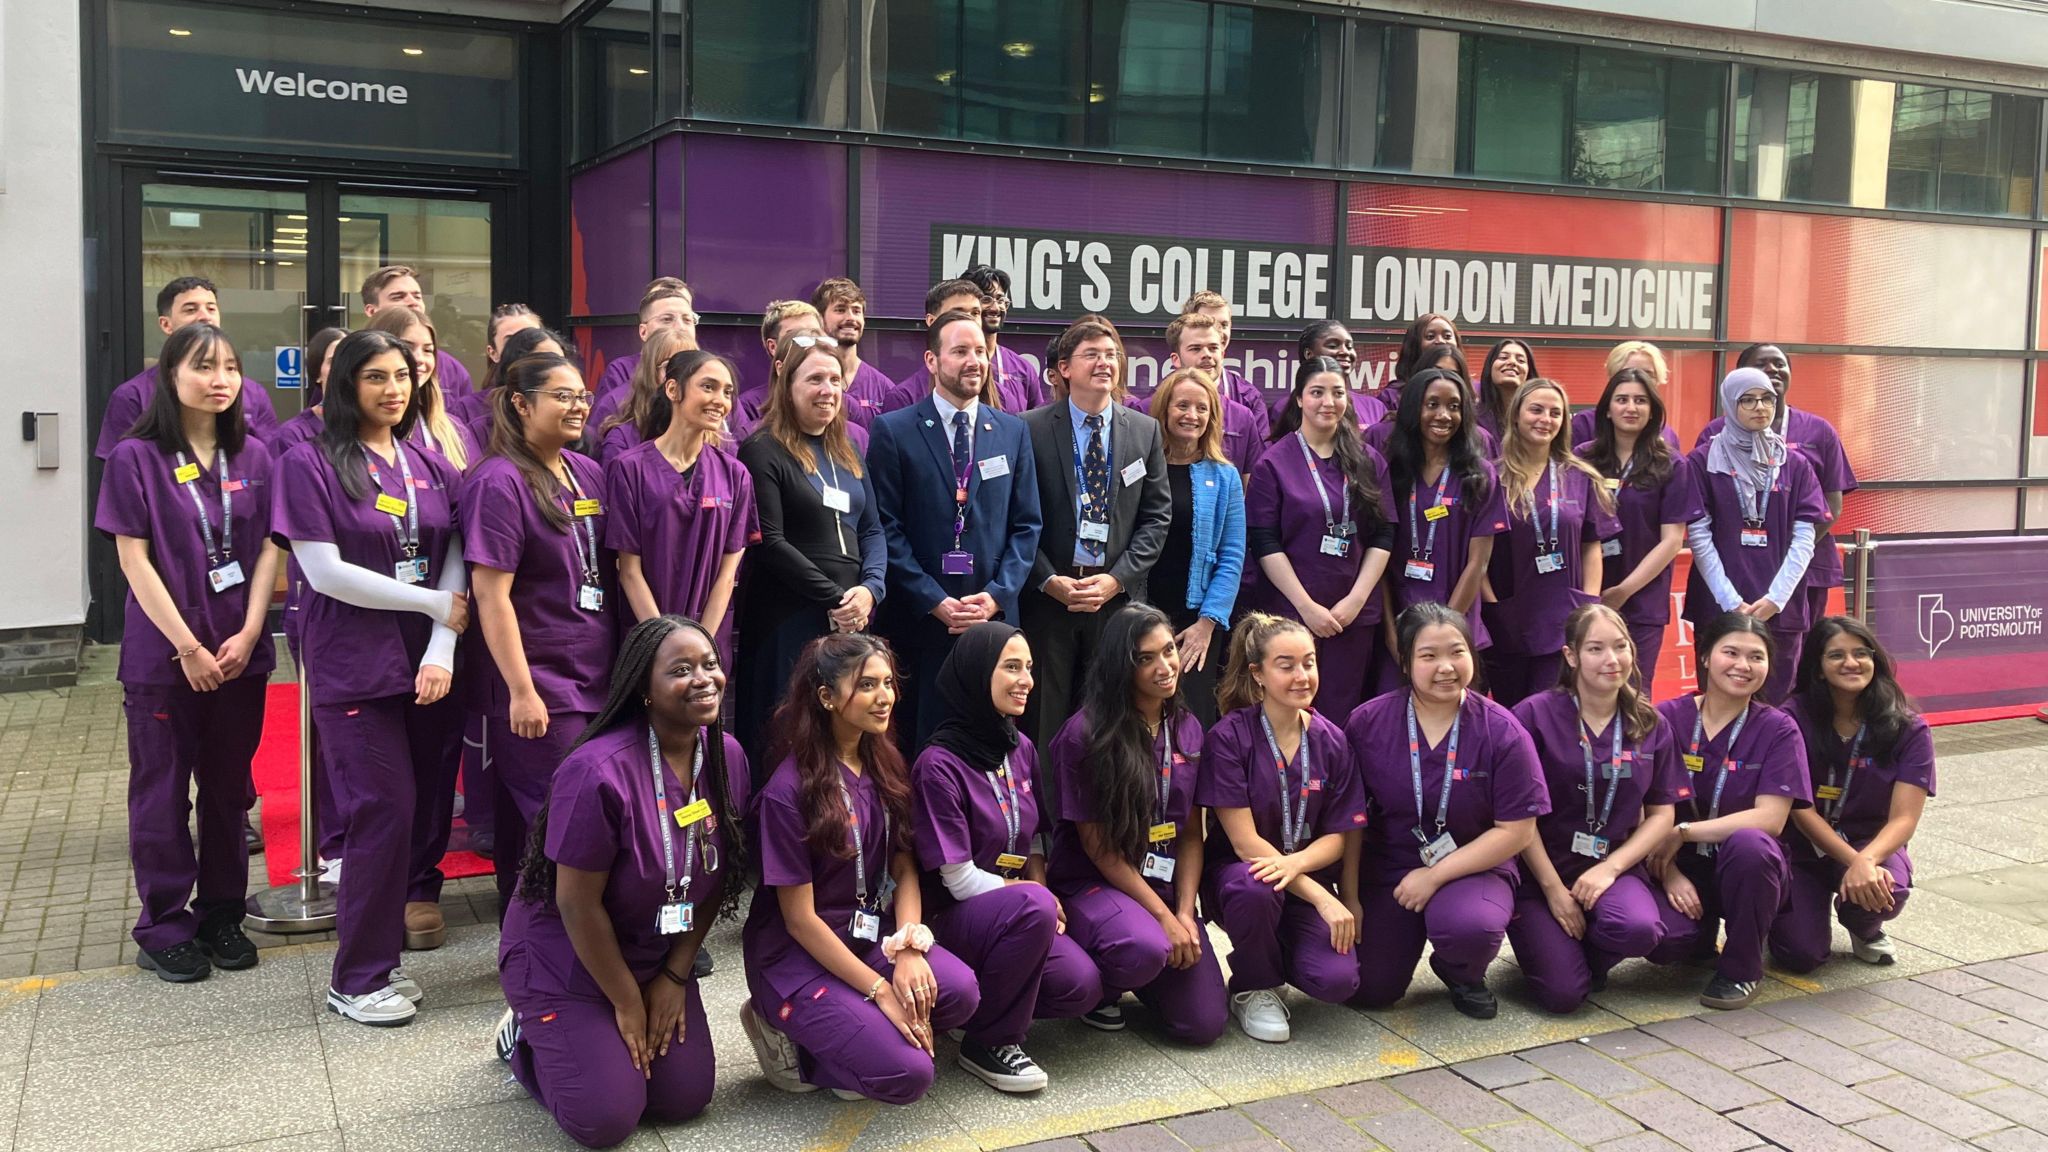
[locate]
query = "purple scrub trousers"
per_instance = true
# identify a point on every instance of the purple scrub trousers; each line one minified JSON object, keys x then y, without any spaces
{"x":1629,"y":920}
{"x":176,"y":735}
{"x":1463,"y":925}
{"x":845,"y":1041}
{"x":1801,"y":939}
{"x":1025,"y":967}
{"x":1742,"y":886}
{"x":1649,"y":642}
{"x":571,"y":1060}
{"x":1277,"y":938}
{"x":1130,"y":951}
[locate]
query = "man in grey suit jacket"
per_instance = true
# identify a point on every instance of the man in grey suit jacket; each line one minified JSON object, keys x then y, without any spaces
{"x":1106,"y":505}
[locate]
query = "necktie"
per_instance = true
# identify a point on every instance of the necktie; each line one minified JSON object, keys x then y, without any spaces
{"x":961,"y":451}
{"x":1095,"y":476}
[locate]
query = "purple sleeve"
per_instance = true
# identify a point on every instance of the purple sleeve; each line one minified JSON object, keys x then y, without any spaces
{"x":124,"y":497}
{"x":301,"y":506}
{"x":584,"y":815}
{"x":738,"y":777}
{"x":124,"y":408}
{"x":1025,"y":761}
{"x":1385,"y":481}
{"x":745,"y":528}
{"x":1519,"y":791}
{"x":1667,"y":771}
{"x":1600,"y":523}
{"x":1262,"y":502}
{"x":939,"y":812}
{"x":1835,"y":473}
{"x":785,"y":857}
{"x":1782,"y":750}
{"x":622,"y":492}
{"x":256,"y":463}
{"x":1490,"y":516}
{"x":1222,"y":781}
{"x":1913,"y":759}
{"x":494,"y":521}
{"x":1680,"y":502}
{"x":1063,"y":765}
{"x":1343,"y":791}
{"x":1808,"y":502}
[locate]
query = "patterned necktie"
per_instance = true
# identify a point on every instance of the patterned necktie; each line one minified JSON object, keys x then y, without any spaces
{"x":1095,"y":476}
{"x":961,"y":451}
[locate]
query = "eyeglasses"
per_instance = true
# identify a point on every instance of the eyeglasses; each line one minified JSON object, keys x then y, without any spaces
{"x":1859,"y":655}
{"x":1757,"y":400}
{"x":1096,"y":356}
{"x":566,"y":398}
{"x":806,"y":340}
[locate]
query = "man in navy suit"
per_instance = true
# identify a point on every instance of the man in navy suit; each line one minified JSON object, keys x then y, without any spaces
{"x":958,"y":497}
{"x":1103,"y":488}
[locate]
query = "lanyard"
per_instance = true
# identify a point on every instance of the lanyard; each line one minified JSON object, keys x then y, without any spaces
{"x":1331,"y":525}
{"x":587,"y":524}
{"x":1834,"y":810}
{"x":962,"y":469}
{"x":1755,"y":517}
{"x":860,"y":860}
{"x":1166,"y":773}
{"x":1595,"y":822}
{"x":226,"y":552}
{"x":1443,"y":802}
{"x":1415,"y":536}
{"x":408,"y":526}
{"x":1005,"y":787}
{"x":1295,"y":821}
{"x":662,"y":817}
{"x":1699,"y":723}
{"x":1556,"y":542}
{"x":838,"y":521}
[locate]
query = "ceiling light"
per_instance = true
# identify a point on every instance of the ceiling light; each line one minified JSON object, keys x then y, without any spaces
{"x":945,"y":77}
{"x":344,"y":219}
{"x":1019,"y":49}
{"x":181,"y":31}
{"x":296,"y":216}
{"x":181,"y":219}
{"x":414,"y":51}
{"x":285,"y":229}
{"x":284,"y":264}
{"x":637,"y":71}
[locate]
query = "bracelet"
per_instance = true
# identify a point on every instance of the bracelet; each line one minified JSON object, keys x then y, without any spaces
{"x":678,"y":981}
{"x":184,"y":654}
{"x":876,"y":990}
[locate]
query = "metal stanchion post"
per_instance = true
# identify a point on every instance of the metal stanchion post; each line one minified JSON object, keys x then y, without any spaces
{"x":308,"y":905}
{"x":1863,"y":548}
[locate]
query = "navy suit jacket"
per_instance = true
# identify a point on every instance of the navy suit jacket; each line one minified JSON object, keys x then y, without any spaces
{"x":911,"y":459}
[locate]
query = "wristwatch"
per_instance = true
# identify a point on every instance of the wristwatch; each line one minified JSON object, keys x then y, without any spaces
{"x":1682,"y":826}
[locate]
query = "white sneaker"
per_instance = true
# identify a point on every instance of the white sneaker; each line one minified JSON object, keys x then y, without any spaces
{"x":1876,"y":950}
{"x":1262,"y":1015}
{"x":406,"y":986}
{"x":384,"y":1008}
{"x":773,"y":1049}
{"x":505,"y":1038}
{"x":330,"y":871}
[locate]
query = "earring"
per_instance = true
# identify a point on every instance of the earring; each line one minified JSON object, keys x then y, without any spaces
{"x":646,"y":701}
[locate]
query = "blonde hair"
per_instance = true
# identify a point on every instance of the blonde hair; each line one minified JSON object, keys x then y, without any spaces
{"x":433,"y":407}
{"x":780,"y":312}
{"x":665,"y":288}
{"x":1639,"y":719}
{"x":1210,"y":446}
{"x":648,"y":379}
{"x":1618,"y":358}
{"x":1520,"y":465}
{"x":1188,"y":322}
{"x":1249,"y":639}
{"x":779,"y":417}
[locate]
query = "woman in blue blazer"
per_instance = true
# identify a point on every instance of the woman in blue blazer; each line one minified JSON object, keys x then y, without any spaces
{"x":1195,"y":582}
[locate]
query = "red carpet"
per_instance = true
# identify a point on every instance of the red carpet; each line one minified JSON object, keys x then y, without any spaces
{"x":276,"y":769}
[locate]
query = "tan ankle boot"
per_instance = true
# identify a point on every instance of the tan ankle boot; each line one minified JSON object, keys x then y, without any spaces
{"x":424,"y":927}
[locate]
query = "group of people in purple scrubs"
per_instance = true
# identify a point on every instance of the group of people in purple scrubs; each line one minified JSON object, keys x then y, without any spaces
{"x":999,"y":684}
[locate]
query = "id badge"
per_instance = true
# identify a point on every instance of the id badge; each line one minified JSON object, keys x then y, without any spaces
{"x":837,"y":499}
{"x":957,"y":563}
{"x":677,"y":918}
{"x":1616,"y":771}
{"x":1134,"y":472}
{"x":1436,"y":513}
{"x":1437,"y":849}
{"x":226,"y":576}
{"x":1756,"y":538}
{"x":390,"y":505}
{"x":993,"y":467}
{"x":1611,"y":547}
{"x":1095,"y":531}
{"x":1159,"y":867}
{"x":1587,"y":844}
{"x":412,"y":571}
{"x":590,"y":598}
{"x":1419,"y":570}
{"x":1827,"y":792}
{"x":588,"y":507}
{"x":1164,"y":833}
{"x":1009,"y":861}
{"x":1335,"y":546}
{"x":1548,"y":562}
{"x":866,"y":926}
{"x":1695,"y":763}
{"x":689,"y":814}
{"x":1612,"y":484}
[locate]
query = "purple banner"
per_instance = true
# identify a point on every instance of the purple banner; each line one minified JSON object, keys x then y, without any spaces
{"x":765,"y":220}
{"x":611,"y":236}
{"x":1966,"y":619}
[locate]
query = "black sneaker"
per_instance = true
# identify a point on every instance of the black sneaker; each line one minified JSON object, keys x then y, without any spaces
{"x":181,"y":963}
{"x":1599,"y":982}
{"x":701,"y":966}
{"x":252,"y":836}
{"x":1728,"y":995}
{"x":222,"y":941}
{"x":1005,"y":1069}
{"x":1107,"y":1017}
{"x":1474,"y":1001}
{"x":484,"y":844}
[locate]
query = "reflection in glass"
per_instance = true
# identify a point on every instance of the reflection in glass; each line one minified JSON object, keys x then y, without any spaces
{"x":614,"y":72}
{"x":769,"y":61}
{"x":982,"y":70}
{"x":448,"y":241}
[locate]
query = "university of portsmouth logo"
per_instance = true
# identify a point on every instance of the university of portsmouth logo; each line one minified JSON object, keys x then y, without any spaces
{"x":1937,"y":626}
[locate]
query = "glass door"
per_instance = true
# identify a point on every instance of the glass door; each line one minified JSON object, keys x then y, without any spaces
{"x":447,"y":240}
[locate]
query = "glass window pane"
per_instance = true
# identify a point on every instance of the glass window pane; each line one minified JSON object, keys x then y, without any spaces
{"x":1415,"y":110}
{"x":1151,"y":70}
{"x":1514,"y":108}
{"x":448,"y":241}
{"x":614,"y":76}
{"x":1692,"y":126}
{"x":1618,"y":120}
{"x":1266,"y":74}
{"x":761,"y":60}
{"x":983,"y":70}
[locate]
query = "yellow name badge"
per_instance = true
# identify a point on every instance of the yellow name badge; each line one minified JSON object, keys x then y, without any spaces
{"x":1161,"y":833}
{"x":390,"y":505}
{"x":1827,"y":792}
{"x":689,"y":814}
{"x":1611,"y":484}
{"x":1695,"y":763}
{"x":589,"y":507}
{"x":187,"y":473}
{"x":1009,"y":861}
{"x":1436,"y":513}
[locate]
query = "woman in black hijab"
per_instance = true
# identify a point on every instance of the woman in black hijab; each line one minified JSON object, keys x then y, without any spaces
{"x":979,"y":838}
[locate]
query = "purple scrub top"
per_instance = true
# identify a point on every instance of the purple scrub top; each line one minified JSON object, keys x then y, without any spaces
{"x":680,"y":527}
{"x":1532,"y":606}
{"x":1282,"y":493}
{"x":1455,"y":532}
{"x":470,"y":409}
{"x":750,"y":407}
{"x":1498,"y":780}
{"x":472,"y":449}
{"x":1795,"y":496}
{"x":617,"y":442}
{"x":602,"y":818}
{"x":363,"y":653}
{"x":450,"y":374}
{"x":606,"y":406}
{"x":1867,"y":803}
{"x":1235,"y":386}
{"x":568,"y":649}
{"x":305,"y":426}
{"x":866,"y":394}
{"x":782,"y":817}
{"x":1069,"y":870}
{"x":1018,"y":388}
{"x":1655,"y":776}
{"x":1642,"y":513}
{"x":1583,"y":429}
{"x":1239,"y":772}
{"x":958,"y":819}
{"x":140,"y":497}
{"x":132,"y":398}
{"x":1770,"y":760}
{"x":1377,"y":435}
{"x":1815,"y":439}
{"x":618,"y":374}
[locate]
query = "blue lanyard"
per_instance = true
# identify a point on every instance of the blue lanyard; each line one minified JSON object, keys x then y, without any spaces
{"x":1331,"y":525}
{"x":1699,"y":723}
{"x":1100,"y":515}
{"x":1555,"y":542}
{"x":1443,"y":801}
{"x":587,"y":524}
{"x":226,"y":552}
{"x":1428,"y":548}
{"x":1763,"y":499}
{"x":1294,"y":823}
{"x":1596,"y":822}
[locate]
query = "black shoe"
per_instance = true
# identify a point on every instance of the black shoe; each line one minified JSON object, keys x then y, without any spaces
{"x":222,"y":941}
{"x":1474,"y":1001}
{"x":701,"y":966}
{"x":252,"y":836}
{"x":181,"y":963}
{"x":1005,"y":1069}
{"x":1599,"y":982}
{"x":1105,"y":1017}
{"x":1728,"y":995}
{"x":484,"y":844}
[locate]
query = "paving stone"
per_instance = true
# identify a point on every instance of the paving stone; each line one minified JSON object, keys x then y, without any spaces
{"x":1255,"y":1144}
{"x":1527,"y":1136}
{"x":2012,"y":1033}
{"x":1586,"y":1069}
{"x":2013,"y":1140}
{"x":1715,"y":1088}
{"x":1627,"y":1045}
{"x":1303,"y":1122}
{"x":1743,"y":1022}
{"x":1814,"y":1092}
{"x":2019,"y":977}
{"x":1498,"y":1071}
{"x":1364,"y":1099}
{"x":1940,"y":1035}
{"x":1565,"y":1108}
{"x":1824,"y":1056}
{"x":1789,"y":1128}
{"x":1923,"y":1063}
{"x":1905,"y":1134}
{"x":1823,"y":1022}
{"x":1413,"y":1130}
{"x":2013,"y":1002}
{"x":1954,"y":981}
{"x":1452,"y":1099}
{"x":1694,"y":1127}
{"x":1952,"y":1115}
{"x":1857,"y":1002}
{"x":1640,"y":1142}
{"x":1136,"y":1138}
{"x":1069,"y":1144}
{"x":2017,"y":1105}
{"x":1709,"y":1043}
{"x":1208,"y":1129}
{"x":2018,"y":1067}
